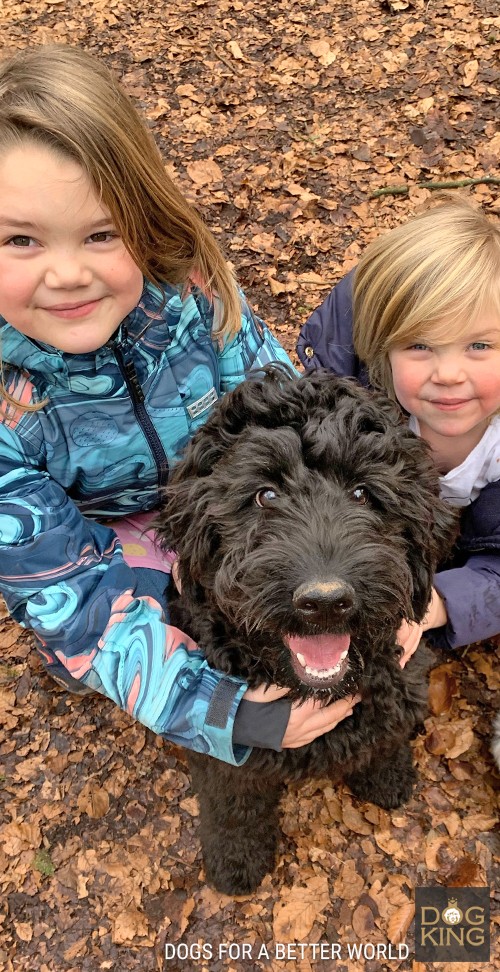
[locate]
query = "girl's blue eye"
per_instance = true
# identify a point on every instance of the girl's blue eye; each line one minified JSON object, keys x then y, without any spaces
{"x":479,"y":346}
{"x":419,"y":347}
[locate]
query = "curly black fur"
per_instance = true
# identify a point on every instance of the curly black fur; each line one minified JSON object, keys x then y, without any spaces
{"x":305,"y":507}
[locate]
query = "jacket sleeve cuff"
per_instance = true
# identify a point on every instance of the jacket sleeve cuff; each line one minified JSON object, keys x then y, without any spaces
{"x":472,"y":606}
{"x":261,"y":724}
{"x":219,"y":721}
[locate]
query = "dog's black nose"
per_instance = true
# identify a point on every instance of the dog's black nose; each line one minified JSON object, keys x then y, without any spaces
{"x":324,"y":601}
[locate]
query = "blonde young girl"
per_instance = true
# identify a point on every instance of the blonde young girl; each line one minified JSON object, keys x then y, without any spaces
{"x":120,"y":326}
{"x":423,"y":324}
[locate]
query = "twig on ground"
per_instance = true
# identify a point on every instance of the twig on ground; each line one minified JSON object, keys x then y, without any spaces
{"x":403,"y":190}
{"x":224,"y":60}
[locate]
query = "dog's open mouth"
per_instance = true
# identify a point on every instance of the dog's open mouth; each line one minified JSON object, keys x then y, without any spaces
{"x":319,"y":660}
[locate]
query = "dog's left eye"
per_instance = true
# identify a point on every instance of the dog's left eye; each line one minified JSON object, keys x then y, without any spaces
{"x":265,"y":497}
{"x":360,"y":495}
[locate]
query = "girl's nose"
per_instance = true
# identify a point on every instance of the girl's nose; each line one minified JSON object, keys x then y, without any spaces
{"x":67,"y":272}
{"x":449,"y":370}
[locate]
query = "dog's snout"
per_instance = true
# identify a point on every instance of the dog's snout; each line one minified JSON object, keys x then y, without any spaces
{"x":320,"y":602}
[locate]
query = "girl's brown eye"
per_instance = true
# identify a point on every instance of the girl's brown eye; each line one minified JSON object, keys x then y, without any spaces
{"x":360,"y":495}
{"x":265,"y":498}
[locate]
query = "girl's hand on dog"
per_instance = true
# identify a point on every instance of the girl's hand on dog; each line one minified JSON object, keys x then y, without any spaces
{"x":309,"y":719}
{"x":410,"y":633}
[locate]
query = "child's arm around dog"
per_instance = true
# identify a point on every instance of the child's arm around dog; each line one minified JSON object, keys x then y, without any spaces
{"x":420,"y":319}
{"x":120,"y":326}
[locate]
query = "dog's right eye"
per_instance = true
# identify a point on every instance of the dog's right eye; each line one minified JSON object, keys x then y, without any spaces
{"x":360,"y":495}
{"x":265,"y":497}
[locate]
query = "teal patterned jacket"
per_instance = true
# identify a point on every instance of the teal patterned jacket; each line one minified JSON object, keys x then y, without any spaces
{"x":101,"y":445}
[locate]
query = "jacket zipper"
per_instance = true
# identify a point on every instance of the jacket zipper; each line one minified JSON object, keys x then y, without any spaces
{"x":127,"y":369}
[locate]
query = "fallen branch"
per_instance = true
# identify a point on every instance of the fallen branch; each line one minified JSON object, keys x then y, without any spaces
{"x":403,"y":190}
{"x":224,"y":60}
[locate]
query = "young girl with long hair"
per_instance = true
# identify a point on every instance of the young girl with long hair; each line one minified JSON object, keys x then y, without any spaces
{"x":120,"y":326}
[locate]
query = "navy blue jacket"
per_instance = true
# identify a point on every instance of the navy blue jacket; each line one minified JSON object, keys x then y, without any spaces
{"x":470,"y":584}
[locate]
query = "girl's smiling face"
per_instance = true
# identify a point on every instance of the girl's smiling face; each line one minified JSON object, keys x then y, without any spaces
{"x":66,"y":277}
{"x":453,"y":389}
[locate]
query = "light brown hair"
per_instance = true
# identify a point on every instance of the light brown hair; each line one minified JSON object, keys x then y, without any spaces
{"x":67,"y":100}
{"x":429,"y":278}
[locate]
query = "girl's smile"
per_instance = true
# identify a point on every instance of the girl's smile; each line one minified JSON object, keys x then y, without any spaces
{"x":70,"y":311}
{"x":66,"y":278}
{"x":450,"y":404}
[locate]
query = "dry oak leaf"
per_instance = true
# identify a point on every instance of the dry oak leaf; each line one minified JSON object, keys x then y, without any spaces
{"x":235,"y":49}
{"x":263,"y":243}
{"x":434,"y":845}
{"x":385,"y":840}
{"x":211,"y":902}
{"x":298,"y":908}
{"x":483,"y":663}
{"x":399,"y":923}
{"x":24,"y":931}
{"x":451,"y":740}
{"x":465,"y":874}
{"x":394,"y":61}
{"x":277,"y":287}
{"x":7,"y":708}
{"x":464,"y":737}
{"x":311,"y":279}
{"x":479,"y":823}
{"x":469,"y":71}
{"x":128,"y":925}
{"x":442,"y":688}
{"x":19,"y":836}
{"x":94,"y":801}
{"x":10,"y":635}
{"x":204,"y":172}
{"x":321,"y":49}
{"x":355,"y":820}
{"x":191,"y":806}
{"x":452,"y":823}
{"x":363,"y":922}
{"x":76,"y":949}
{"x":189,"y":91}
{"x":349,"y":884}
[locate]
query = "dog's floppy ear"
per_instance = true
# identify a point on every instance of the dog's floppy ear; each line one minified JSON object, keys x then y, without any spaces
{"x":185,"y":523}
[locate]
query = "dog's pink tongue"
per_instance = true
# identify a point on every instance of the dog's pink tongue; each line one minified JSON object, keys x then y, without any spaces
{"x":320,"y":651}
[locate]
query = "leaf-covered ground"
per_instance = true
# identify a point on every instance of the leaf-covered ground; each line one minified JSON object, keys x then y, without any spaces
{"x":280,"y":121}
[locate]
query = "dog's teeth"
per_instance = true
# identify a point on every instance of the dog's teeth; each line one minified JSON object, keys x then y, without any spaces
{"x":324,"y":672}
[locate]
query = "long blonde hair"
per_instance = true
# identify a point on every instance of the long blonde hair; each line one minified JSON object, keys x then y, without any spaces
{"x":67,"y":100}
{"x":430,"y":277}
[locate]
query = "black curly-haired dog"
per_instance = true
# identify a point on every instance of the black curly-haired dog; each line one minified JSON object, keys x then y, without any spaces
{"x":308,"y":525}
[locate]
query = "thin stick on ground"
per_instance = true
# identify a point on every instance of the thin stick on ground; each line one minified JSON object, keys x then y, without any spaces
{"x":403,"y":190}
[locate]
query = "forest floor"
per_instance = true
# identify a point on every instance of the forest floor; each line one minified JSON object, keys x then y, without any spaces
{"x":281,"y":122}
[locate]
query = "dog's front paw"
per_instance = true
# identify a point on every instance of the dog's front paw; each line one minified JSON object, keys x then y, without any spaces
{"x":389,"y":784}
{"x":241,"y":871}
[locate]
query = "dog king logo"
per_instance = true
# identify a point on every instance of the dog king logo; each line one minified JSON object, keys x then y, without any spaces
{"x":452,"y":924}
